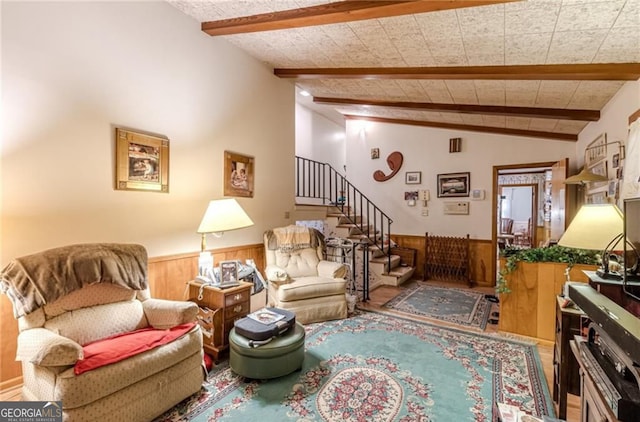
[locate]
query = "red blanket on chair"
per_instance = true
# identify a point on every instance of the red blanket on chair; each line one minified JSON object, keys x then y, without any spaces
{"x":122,"y":346}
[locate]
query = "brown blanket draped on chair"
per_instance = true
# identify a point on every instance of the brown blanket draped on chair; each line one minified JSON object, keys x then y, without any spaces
{"x":33,"y":281}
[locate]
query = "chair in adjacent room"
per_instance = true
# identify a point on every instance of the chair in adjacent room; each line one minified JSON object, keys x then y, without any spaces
{"x":505,"y":235}
{"x":300,"y":279}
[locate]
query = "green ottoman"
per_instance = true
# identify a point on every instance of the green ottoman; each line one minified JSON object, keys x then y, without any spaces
{"x":279,"y":357}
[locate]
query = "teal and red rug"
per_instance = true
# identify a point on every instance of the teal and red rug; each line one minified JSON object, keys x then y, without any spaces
{"x":380,"y":367}
{"x":456,"y":306}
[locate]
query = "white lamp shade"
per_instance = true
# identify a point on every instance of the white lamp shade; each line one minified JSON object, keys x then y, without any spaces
{"x":594,"y":227}
{"x":223,"y":215}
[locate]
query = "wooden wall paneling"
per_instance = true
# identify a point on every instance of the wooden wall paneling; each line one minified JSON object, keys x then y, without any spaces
{"x":527,"y":306}
{"x":481,"y":253}
{"x":481,"y":256}
{"x":545,"y":318}
{"x":10,"y":369}
{"x":413,"y":242}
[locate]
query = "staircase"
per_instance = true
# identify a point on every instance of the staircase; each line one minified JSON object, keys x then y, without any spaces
{"x":349,"y":214}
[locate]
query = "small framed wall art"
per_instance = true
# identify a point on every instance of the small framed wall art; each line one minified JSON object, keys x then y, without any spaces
{"x":413,"y":177}
{"x":238,"y":175}
{"x":142,"y":161}
{"x":453,"y":184}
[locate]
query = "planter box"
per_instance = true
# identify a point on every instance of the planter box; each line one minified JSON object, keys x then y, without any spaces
{"x":530,"y":308}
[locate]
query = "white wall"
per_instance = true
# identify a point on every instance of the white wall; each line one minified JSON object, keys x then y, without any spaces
{"x":319,"y":138}
{"x":614,"y":119}
{"x":427,"y":150}
{"x":73,"y":71}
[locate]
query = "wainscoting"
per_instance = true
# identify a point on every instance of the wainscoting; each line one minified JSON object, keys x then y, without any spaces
{"x":168,"y":276}
{"x":480,"y":250}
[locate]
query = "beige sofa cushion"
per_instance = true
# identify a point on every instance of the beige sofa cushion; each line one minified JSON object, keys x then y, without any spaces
{"x":83,"y":326}
{"x":299,"y":263}
{"x":95,"y":294}
{"x":78,"y":391}
{"x":311,"y":287}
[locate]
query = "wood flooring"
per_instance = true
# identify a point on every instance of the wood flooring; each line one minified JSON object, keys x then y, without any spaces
{"x":382,"y":295}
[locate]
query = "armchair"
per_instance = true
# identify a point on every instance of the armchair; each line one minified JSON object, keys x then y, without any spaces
{"x":91,"y":336}
{"x":299,"y":279}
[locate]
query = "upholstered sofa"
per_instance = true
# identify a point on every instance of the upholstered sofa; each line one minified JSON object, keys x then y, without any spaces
{"x":299,"y":277}
{"x":91,"y":336}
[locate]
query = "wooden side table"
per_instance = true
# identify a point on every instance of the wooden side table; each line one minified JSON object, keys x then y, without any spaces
{"x":566,"y":377}
{"x":219,"y":309}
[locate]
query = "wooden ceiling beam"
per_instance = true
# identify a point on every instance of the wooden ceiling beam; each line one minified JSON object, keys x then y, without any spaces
{"x":567,"y":72}
{"x":471,"y":128}
{"x":337,"y":12}
{"x":532,"y":112}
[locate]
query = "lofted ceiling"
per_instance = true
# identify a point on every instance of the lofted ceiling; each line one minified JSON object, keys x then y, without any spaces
{"x":540,"y":68}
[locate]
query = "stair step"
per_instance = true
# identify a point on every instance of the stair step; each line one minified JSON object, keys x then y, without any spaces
{"x":399,"y":275}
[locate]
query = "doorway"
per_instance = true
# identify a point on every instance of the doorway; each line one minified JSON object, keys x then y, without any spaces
{"x":517,"y":215}
{"x":518,"y":188}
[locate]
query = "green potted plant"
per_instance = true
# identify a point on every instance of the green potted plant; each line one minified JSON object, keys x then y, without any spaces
{"x":560,"y":254}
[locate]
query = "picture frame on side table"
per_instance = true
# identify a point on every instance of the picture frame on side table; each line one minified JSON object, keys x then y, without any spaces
{"x":238,"y":175}
{"x":454,"y":184}
{"x":228,"y":274}
{"x":142,"y":161}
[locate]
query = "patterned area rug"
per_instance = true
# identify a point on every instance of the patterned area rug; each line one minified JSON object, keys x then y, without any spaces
{"x":380,"y":367}
{"x":457,"y":306}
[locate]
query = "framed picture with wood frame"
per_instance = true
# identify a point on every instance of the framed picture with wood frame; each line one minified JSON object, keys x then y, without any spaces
{"x":413,"y":177}
{"x":596,"y":151}
{"x":238,"y":175}
{"x":454,"y":184}
{"x":142,"y":161}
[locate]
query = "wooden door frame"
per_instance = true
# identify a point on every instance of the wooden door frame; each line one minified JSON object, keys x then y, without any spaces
{"x":494,"y":207}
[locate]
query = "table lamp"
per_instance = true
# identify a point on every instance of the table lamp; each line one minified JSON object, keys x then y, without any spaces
{"x":222,"y":215}
{"x":596,"y":227}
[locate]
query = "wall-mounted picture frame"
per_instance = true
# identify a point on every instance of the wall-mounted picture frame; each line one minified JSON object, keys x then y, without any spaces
{"x":142,"y":161}
{"x":596,"y":150}
{"x":238,"y":175}
{"x":228,"y":273}
{"x":615,"y":161}
{"x":599,"y":168}
{"x":453,"y":184}
{"x":375,"y":153}
{"x":413,"y":177}
{"x":411,"y":196}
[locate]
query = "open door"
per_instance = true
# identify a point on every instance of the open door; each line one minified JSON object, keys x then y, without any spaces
{"x":554,"y":227}
{"x":559,"y":199}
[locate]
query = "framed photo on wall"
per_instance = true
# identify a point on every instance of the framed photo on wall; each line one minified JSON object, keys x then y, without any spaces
{"x":413,"y":177}
{"x":142,"y":161}
{"x":596,"y":151}
{"x":238,"y":175}
{"x":454,"y":184}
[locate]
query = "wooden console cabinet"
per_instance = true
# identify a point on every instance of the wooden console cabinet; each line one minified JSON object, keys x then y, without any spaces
{"x":219,"y":309}
{"x":566,"y":375}
{"x":593,"y":405}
